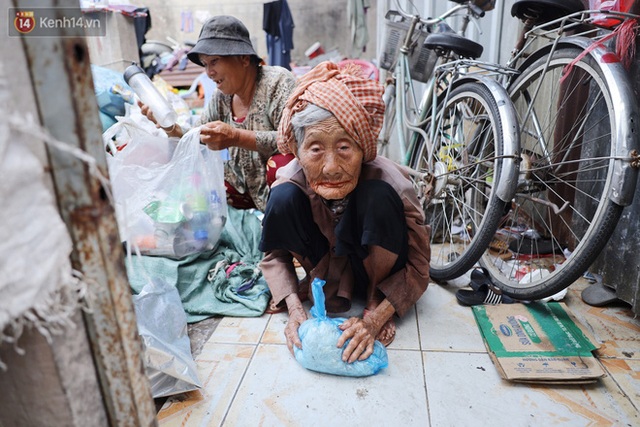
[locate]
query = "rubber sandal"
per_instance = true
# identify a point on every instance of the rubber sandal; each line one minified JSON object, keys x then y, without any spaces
{"x":483,"y":290}
{"x":387,"y":325}
{"x":485,"y":294}
{"x":479,"y":276}
{"x":272,"y":308}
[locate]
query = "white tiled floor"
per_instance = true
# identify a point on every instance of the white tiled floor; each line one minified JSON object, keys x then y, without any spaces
{"x":439,"y":374}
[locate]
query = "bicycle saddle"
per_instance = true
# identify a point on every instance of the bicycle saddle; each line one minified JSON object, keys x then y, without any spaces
{"x":450,"y":41}
{"x":545,"y":10}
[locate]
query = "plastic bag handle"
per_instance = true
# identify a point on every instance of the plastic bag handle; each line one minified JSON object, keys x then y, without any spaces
{"x":318,"y":310}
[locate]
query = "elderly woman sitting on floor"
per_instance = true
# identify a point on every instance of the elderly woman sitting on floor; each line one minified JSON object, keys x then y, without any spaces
{"x":347,"y":216}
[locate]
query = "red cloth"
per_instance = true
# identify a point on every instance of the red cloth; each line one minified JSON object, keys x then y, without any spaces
{"x":244,"y":201}
{"x":274,"y":163}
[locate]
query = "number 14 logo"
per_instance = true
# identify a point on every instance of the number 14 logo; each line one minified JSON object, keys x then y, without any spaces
{"x":24,"y":21}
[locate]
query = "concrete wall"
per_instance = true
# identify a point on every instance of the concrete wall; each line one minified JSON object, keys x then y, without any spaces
{"x":323,"y":21}
{"x":119,"y":49}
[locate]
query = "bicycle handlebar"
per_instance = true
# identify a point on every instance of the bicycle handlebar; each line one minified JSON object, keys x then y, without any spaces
{"x":470,"y":9}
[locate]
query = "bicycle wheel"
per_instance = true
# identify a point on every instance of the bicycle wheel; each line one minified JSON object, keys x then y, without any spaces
{"x":464,"y":210}
{"x":561,"y":216}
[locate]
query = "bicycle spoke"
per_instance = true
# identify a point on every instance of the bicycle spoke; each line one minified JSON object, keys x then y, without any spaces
{"x":464,"y":211}
{"x":562,"y":209}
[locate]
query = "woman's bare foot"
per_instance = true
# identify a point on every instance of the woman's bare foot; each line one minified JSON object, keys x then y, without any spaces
{"x":388,"y":331}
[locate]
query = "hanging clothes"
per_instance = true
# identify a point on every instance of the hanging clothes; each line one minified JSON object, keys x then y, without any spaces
{"x":186,"y":21}
{"x":141,"y":25}
{"x":278,"y":23}
{"x":357,"y":15}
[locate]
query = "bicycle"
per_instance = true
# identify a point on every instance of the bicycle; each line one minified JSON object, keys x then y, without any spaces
{"x":578,"y":144}
{"x":460,"y":141}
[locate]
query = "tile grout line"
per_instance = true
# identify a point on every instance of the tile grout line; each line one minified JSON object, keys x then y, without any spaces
{"x":244,"y":373}
{"x":620,"y":387}
{"x":422,"y":359}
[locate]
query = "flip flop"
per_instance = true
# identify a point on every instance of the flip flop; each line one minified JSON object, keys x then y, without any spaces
{"x":389,"y":325}
{"x":485,"y":294}
{"x":483,"y":291}
{"x":479,"y":276}
{"x":272,"y":308}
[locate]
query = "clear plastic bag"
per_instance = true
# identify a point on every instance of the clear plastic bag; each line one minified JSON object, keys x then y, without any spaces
{"x":162,"y":324}
{"x":169,"y":202}
{"x":319,"y":336}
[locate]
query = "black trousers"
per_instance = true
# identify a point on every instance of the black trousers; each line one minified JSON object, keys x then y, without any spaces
{"x":374,"y":216}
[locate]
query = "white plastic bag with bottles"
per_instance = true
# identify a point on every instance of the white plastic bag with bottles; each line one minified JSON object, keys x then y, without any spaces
{"x":169,"y":201}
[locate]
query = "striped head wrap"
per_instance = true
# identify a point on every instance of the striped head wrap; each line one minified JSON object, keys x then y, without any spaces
{"x":355,"y":101}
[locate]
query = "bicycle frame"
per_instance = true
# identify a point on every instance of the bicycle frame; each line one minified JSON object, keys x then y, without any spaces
{"x":403,"y":77}
{"x":451,"y":73}
{"x":462,"y":135}
{"x":446,"y":68}
{"x":579,"y":148}
{"x":626,"y":156}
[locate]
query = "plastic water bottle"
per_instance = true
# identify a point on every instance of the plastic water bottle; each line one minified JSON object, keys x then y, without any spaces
{"x":218,"y":216}
{"x":162,"y":111}
{"x":200,"y":218}
{"x":215,"y":204}
{"x":197,"y":212}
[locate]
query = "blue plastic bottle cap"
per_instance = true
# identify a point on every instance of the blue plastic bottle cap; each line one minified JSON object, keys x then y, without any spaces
{"x":200,"y":235}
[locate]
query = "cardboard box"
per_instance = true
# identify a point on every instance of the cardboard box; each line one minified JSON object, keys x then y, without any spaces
{"x":538,"y":343}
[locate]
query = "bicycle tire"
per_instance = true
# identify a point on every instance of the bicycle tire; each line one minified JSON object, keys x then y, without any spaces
{"x":562,"y":202}
{"x":464,"y":211}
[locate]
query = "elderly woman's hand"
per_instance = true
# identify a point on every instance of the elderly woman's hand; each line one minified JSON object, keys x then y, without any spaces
{"x":146,"y":111}
{"x":363,"y":334}
{"x":174,"y":130}
{"x":297,"y":315}
{"x":218,"y":135}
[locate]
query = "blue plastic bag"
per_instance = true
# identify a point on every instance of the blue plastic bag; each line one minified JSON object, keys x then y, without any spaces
{"x":319,"y":336}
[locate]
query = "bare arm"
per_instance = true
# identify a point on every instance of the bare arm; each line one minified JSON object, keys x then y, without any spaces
{"x":218,"y":135}
{"x":297,"y":315}
{"x":363,"y":332}
{"x":279,"y":272}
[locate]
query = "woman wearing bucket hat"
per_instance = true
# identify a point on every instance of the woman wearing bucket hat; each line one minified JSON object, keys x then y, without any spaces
{"x":348,"y":216}
{"x":244,"y":113}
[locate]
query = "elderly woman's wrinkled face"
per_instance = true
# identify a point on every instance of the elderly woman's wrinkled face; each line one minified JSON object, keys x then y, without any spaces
{"x":331,"y":159}
{"x":228,"y":72}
